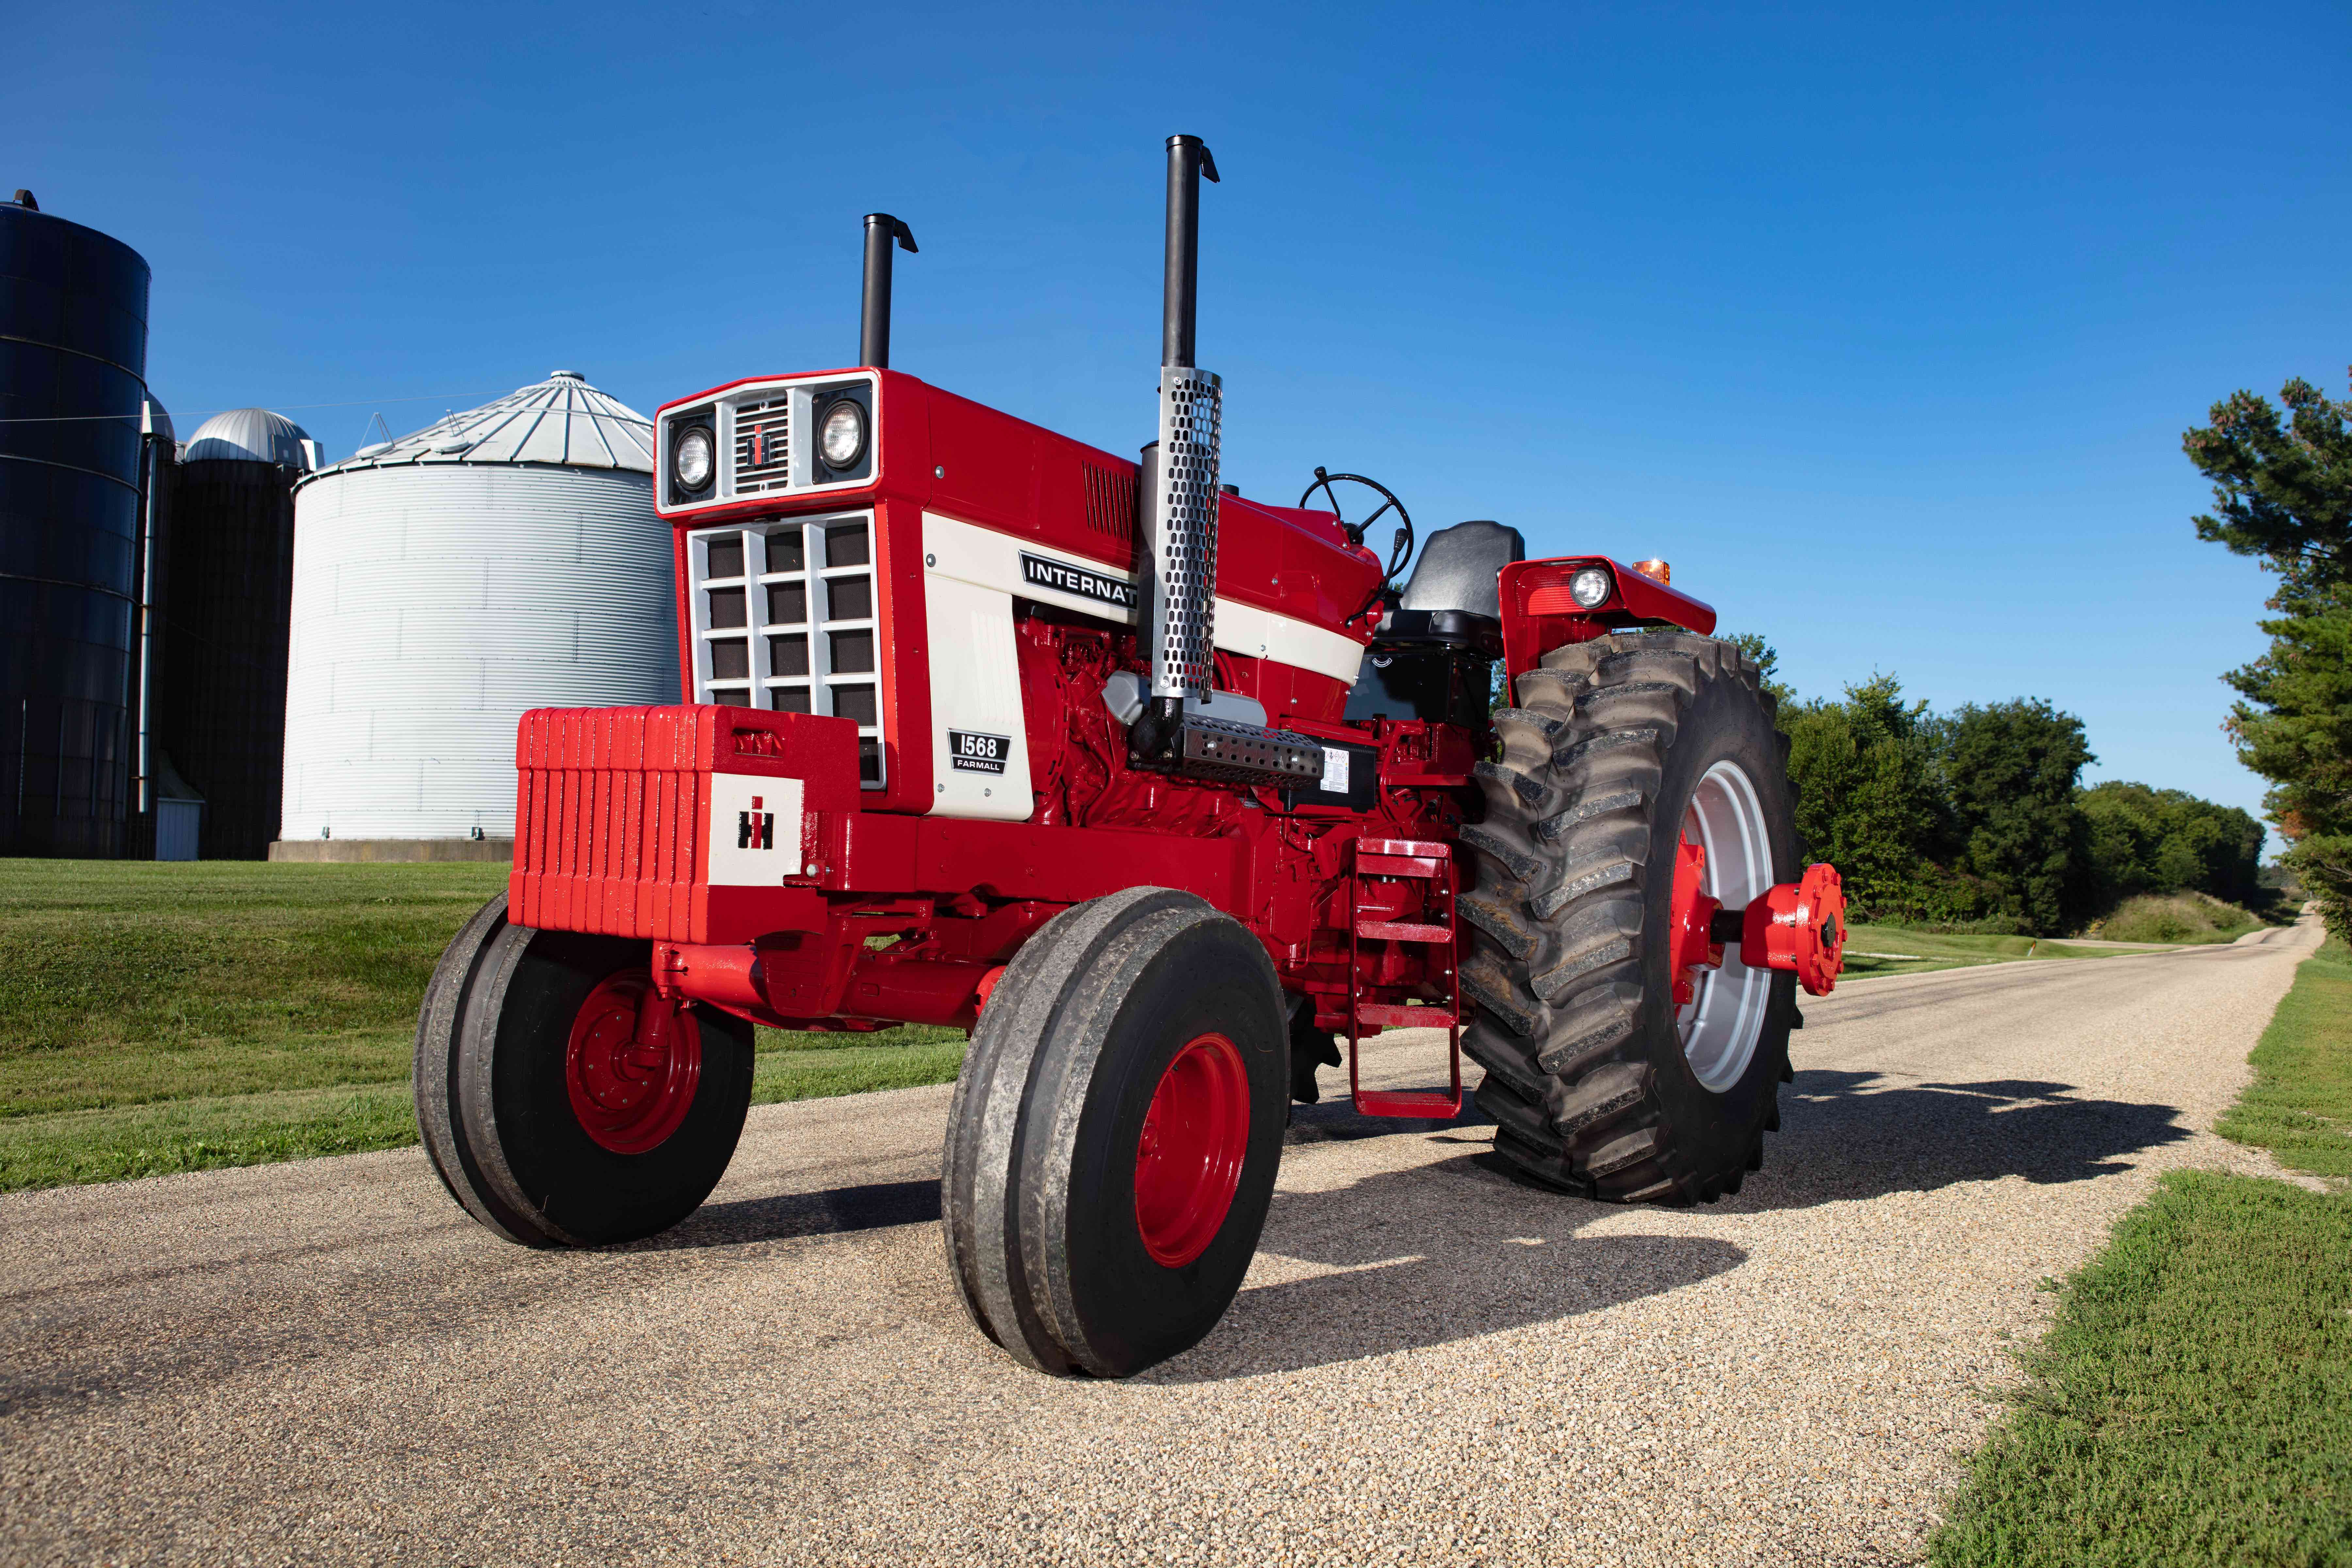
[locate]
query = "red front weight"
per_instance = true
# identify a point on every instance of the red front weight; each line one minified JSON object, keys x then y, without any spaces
{"x":1799,"y":925}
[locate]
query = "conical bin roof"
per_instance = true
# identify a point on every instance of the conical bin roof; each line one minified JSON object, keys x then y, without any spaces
{"x":561,"y":420}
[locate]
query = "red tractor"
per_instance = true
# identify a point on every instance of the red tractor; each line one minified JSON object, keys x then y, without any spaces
{"x":1153,"y":788}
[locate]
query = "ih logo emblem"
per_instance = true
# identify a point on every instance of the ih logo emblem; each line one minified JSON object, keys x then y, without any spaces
{"x":755,"y":828}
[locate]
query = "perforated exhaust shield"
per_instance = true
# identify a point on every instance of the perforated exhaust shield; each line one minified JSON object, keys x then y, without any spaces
{"x":1183,"y":539}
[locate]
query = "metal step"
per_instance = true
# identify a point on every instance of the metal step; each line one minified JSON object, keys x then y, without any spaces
{"x":1435,"y":861}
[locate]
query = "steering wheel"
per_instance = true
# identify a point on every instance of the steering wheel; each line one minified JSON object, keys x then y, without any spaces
{"x":1400,"y":551}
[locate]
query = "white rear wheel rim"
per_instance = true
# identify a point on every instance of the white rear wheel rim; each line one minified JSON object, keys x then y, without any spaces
{"x":1725,"y":1020}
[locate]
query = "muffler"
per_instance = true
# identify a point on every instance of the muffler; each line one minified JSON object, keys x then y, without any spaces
{"x":1178,"y":499}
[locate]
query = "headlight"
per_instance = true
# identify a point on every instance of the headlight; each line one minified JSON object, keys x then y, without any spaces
{"x":841,"y":437}
{"x":690,"y":459}
{"x":1590,"y":587}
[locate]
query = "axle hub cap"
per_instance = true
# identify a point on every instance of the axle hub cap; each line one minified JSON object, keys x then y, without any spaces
{"x":1188,"y":1162}
{"x":631,"y":1086}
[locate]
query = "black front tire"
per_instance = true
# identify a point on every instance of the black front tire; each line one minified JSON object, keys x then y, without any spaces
{"x":1046,"y":1237}
{"x":495,"y":1111}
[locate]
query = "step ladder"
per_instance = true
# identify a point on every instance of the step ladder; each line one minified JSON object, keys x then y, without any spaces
{"x":1407,"y":857}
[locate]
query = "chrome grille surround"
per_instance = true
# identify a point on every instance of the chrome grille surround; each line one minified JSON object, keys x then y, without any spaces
{"x":764,"y":431}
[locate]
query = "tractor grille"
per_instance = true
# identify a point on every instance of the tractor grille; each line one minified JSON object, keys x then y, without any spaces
{"x":764,"y":448}
{"x":786,"y":619}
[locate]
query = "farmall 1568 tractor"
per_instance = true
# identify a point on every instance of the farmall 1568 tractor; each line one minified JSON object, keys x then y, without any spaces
{"x":1155,"y":789}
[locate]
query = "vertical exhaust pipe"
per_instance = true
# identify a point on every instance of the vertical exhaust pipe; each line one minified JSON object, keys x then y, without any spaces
{"x":882,"y":231}
{"x":1180,"y":473}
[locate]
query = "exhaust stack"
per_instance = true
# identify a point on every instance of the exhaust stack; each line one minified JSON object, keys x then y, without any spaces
{"x":1179,"y":488}
{"x":874,"y":315}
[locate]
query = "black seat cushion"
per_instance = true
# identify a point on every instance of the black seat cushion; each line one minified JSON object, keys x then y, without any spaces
{"x":1458,"y":566}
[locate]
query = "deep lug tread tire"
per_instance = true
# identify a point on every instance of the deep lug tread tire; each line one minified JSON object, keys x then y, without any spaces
{"x":1037,"y":1191}
{"x":1574,"y":1016}
{"x":495,"y":1115}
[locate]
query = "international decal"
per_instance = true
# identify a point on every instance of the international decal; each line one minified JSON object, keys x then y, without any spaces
{"x":1043,"y":571}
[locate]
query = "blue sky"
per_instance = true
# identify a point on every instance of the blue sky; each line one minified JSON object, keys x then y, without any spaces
{"x":1883,"y":327}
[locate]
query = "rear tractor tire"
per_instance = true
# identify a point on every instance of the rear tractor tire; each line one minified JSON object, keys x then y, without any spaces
{"x":1598,"y":1081}
{"x":1112,"y":1144}
{"x":543,"y":1112}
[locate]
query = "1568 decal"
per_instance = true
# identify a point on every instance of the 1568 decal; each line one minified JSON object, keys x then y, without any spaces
{"x":969,"y":752}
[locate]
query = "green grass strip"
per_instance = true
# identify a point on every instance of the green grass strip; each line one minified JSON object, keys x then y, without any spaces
{"x":123,"y":982}
{"x":1925,"y":950}
{"x":2300,"y":1104}
{"x":816,"y":1072}
{"x":206,"y":1133}
{"x":2192,"y":1404}
{"x":200,"y":1134}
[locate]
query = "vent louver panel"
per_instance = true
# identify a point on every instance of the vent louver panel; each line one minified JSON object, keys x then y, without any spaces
{"x":1110,"y":502}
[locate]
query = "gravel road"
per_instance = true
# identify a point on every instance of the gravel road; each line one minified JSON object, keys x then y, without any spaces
{"x":325,"y":1362}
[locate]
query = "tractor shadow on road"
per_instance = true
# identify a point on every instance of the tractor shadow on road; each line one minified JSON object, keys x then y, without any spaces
{"x":1846,"y":1135}
{"x":1428,"y":1256}
{"x":837,"y":1211}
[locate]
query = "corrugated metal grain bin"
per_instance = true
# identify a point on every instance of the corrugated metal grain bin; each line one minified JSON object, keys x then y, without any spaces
{"x":505,"y":559}
{"x":220,"y":708}
{"x":73,"y":360}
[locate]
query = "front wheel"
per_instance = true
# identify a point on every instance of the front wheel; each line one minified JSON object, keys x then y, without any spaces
{"x":1112,"y":1146}
{"x":551,"y":1106}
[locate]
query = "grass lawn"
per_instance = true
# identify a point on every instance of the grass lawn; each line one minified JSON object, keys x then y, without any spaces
{"x":2193,"y":1402}
{"x":159,"y":1017}
{"x":2300,"y":1104}
{"x":1868,"y":949}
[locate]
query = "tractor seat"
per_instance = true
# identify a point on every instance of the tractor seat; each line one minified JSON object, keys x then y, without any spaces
{"x":1450,"y":598}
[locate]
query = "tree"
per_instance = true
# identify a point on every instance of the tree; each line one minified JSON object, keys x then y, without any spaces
{"x":1866,"y":795}
{"x":2295,"y":729}
{"x":2282,"y":486}
{"x":2283,"y":493}
{"x":2010,"y":769}
{"x":2146,"y":840}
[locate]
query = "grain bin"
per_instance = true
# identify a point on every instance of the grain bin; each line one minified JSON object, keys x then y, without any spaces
{"x":500,"y":560}
{"x":220,"y":702}
{"x":73,"y":361}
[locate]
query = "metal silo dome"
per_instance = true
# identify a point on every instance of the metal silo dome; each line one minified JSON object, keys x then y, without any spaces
{"x":498,"y":560}
{"x":250,"y":435}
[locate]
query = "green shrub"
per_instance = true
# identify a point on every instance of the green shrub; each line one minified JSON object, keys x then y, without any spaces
{"x":2176,"y":917}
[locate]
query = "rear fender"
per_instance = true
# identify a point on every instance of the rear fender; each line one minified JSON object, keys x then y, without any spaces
{"x":1538,"y":615}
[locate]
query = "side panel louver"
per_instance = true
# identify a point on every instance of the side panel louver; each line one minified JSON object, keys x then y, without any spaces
{"x":1110,"y":502}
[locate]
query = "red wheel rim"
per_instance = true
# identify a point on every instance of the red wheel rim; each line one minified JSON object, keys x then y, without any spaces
{"x":630,"y":1096}
{"x":1188,"y":1162}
